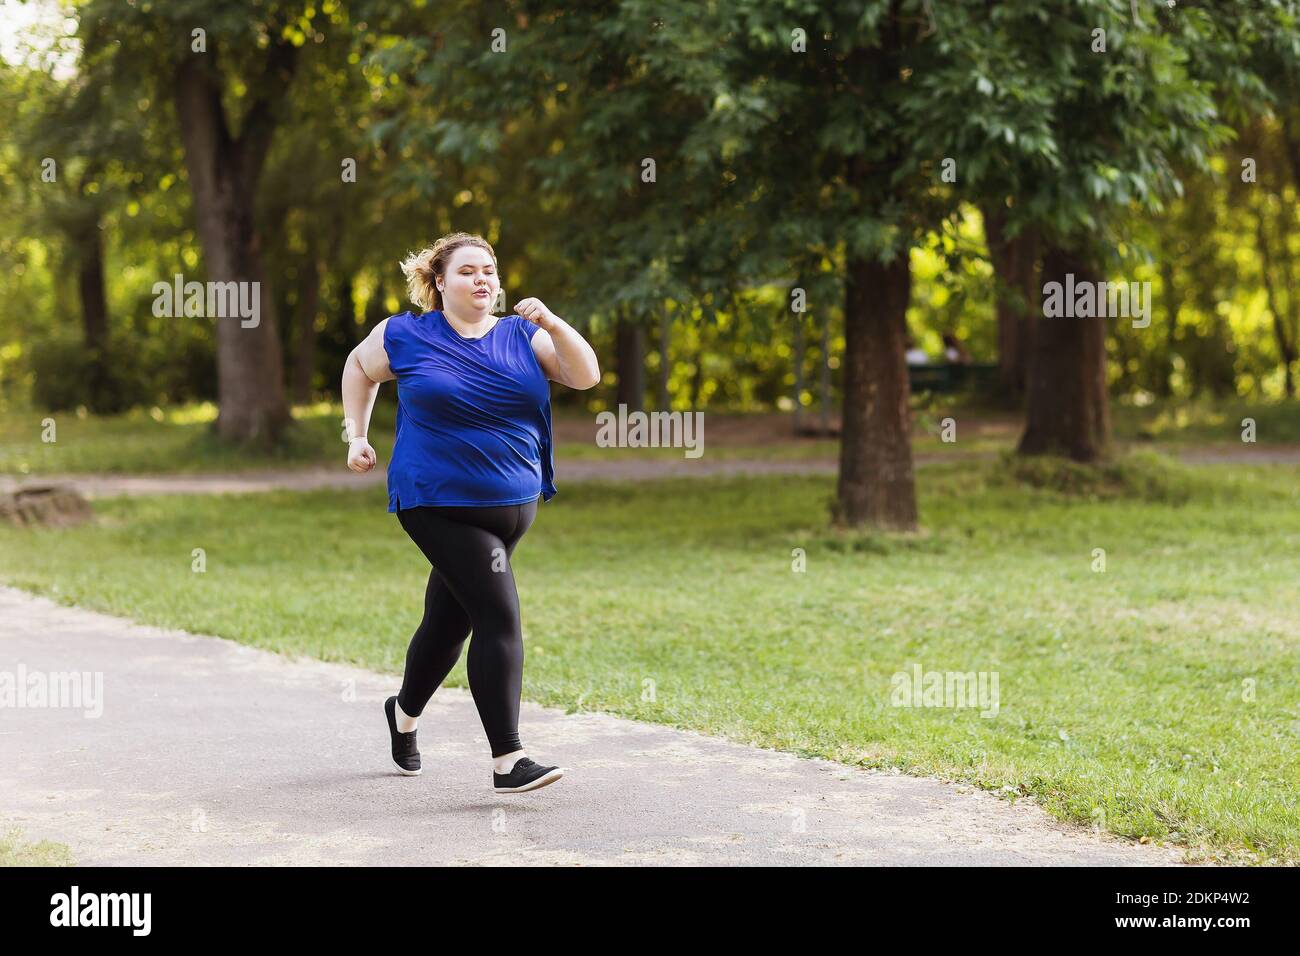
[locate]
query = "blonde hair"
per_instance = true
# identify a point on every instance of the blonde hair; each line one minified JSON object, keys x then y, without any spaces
{"x":421,"y":267}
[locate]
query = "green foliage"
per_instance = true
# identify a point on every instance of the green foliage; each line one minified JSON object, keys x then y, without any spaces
{"x":773,"y":167}
{"x":62,"y":370}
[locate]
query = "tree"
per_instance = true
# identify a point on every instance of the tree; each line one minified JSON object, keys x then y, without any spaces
{"x":1015,"y":271}
{"x":1092,"y":111}
{"x":245,"y":57}
{"x":1067,"y":410}
{"x":811,"y":111}
{"x":224,"y":169}
{"x":540,"y":101}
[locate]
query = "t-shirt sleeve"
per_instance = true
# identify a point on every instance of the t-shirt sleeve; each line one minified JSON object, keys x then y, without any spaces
{"x":394,"y":342}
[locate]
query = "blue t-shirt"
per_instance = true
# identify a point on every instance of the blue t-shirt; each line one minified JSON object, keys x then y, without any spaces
{"x":473,"y":415}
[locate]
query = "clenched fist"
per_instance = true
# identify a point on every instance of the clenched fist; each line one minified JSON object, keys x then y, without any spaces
{"x":361,"y":457}
{"x":536,"y":312}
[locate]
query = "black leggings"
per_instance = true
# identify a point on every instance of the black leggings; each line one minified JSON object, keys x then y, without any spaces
{"x":471,"y":585}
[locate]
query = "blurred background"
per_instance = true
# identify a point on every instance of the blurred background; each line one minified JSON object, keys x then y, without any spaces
{"x":664,"y":190}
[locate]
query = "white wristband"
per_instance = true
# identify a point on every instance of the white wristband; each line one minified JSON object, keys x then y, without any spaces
{"x":357,"y":438}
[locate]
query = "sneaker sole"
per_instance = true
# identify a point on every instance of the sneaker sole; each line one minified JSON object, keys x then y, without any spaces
{"x":540,"y":782}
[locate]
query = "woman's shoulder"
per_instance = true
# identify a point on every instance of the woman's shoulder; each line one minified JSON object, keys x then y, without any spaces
{"x":528,"y":329}
{"x":394,"y":323}
{"x":395,"y":332}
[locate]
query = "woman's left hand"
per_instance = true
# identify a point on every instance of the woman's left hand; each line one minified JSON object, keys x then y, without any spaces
{"x":536,"y":312}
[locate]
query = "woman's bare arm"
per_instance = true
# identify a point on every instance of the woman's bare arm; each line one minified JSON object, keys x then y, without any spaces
{"x":562,"y":352}
{"x":364,"y":371}
{"x":565,"y":356}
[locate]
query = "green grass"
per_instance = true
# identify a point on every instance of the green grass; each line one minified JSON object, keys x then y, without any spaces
{"x":1158,"y":697}
{"x":1176,"y":423}
{"x":173,"y":440}
{"x":804,"y":450}
{"x":16,"y":851}
{"x":179,"y":439}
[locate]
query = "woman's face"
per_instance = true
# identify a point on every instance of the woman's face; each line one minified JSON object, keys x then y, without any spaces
{"x":470,"y":284}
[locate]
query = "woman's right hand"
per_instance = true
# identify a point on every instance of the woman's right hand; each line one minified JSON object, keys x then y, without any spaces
{"x":361,"y":457}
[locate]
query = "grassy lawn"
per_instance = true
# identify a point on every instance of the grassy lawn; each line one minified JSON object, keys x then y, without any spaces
{"x":1174,"y":424}
{"x":177,"y":439}
{"x":172,"y":440}
{"x":16,"y":851}
{"x":1159,"y":698}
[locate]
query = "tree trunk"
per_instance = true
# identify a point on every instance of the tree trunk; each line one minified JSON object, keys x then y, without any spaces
{"x":697,"y":377}
{"x":826,"y":375}
{"x":798,"y":372}
{"x":1173,"y":296}
{"x":304,"y":353}
{"x":630,"y":357}
{"x":1223,"y":381}
{"x":1286,"y":348}
{"x":1290,"y":355}
{"x":1068,"y":411}
{"x":1014,"y":262}
{"x":376,"y":309}
{"x":224,"y":174}
{"x":347,"y":316}
{"x":286,"y":301}
{"x":876,"y":484}
{"x":94,"y":314}
{"x":665,"y":368}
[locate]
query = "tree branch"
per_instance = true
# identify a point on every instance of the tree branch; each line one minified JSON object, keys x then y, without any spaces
{"x":260,"y":121}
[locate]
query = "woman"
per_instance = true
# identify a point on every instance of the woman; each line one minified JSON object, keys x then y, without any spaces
{"x":471,"y":459}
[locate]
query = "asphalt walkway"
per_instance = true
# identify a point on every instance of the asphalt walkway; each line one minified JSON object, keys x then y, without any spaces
{"x":200,"y":750}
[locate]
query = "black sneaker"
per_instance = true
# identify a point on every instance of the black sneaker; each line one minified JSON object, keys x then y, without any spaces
{"x":406,"y":757}
{"x":526,"y":776}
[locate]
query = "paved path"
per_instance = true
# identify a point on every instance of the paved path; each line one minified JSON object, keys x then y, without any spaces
{"x":306,"y":479}
{"x":210,"y":752}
